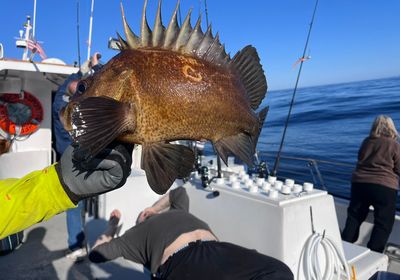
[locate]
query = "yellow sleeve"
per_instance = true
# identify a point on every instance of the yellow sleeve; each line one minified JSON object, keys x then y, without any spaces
{"x":34,"y":198}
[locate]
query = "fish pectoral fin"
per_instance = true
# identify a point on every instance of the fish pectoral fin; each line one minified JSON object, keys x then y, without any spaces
{"x":165,"y":162}
{"x":241,"y":145}
{"x":96,"y":122}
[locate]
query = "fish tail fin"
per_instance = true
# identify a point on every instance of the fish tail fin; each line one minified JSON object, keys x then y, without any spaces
{"x":165,"y":162}
{"x":247,"y":63}
{"x":96,"y":122}
{"x":243,"y":144}
{"x":261,"y":118}
{"x":240,"y":145}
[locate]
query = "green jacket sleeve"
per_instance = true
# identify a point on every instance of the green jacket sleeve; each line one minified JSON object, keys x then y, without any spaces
{"x":34,"y":198}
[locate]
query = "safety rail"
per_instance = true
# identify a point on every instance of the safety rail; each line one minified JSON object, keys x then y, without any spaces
{"x":332,"y":176}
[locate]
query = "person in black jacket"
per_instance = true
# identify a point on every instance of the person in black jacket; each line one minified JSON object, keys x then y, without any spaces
{"x":375,"y":182}
{"x":174,"y":244}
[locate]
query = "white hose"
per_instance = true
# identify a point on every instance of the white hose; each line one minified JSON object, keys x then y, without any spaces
{"x":336,"y":266}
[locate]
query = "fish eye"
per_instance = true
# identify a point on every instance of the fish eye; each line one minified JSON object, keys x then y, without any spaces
{"x":81,"y":88}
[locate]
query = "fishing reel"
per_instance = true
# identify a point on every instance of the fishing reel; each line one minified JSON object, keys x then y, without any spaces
{"x":204,"y":177}
{"x":260,"y":170}
{"x":205,"y":182}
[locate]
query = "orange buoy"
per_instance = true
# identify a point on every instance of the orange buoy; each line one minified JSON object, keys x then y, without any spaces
{"x":18,"y":115}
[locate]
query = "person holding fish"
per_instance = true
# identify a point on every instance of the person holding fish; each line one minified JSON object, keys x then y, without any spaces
{"x":75,"y":224}
{"x":174,"y":83}
{"x":41,"y":194}
{"x":174,"y":244}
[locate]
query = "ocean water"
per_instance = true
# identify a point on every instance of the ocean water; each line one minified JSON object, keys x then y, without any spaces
{"x":327,"y":124}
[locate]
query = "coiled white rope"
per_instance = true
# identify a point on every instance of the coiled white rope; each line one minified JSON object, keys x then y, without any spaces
{"x":336,"y":266}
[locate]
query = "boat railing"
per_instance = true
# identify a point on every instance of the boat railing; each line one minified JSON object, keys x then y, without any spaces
{"x":332,"y":176}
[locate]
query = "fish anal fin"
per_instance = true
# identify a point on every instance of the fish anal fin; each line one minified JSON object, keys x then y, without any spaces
{"x":240,"y":145}
{"x":97,"y":121}
{"x":165,"y":162}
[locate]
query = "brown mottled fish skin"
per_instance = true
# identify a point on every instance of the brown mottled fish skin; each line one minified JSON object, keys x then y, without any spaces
{"x":173,"y":96}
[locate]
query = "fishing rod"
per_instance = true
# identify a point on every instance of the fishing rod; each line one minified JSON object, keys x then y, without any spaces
{"x":206,"y":11}
{"x":90,"y":30}
{"x":77,"y":33}
{"x":277,"y":161}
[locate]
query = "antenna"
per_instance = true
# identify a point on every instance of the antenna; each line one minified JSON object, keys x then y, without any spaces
{"x":34,"y":19}
{"x":278,"y":157}
{"x":206,"y":11}
{"x":90,"y":30}
{"x":77,"y":33}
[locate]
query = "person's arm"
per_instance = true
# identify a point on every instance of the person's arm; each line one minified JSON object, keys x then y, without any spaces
{"x":175,"y":199}
{"x":106,"y":251}
{"x":179,"y":199}
{"x":396,"y":160}
{"x":95,"y":63}
{"x":131,"y":246}
{"x":42,"y":194}
{"x":34,"y":198}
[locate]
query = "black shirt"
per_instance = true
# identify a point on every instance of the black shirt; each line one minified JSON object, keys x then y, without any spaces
{"x":145,"y":243}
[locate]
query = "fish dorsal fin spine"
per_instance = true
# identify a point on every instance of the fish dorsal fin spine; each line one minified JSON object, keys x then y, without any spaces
{"x":247,"y":63}
{"x":173,"y":28}
{"x":131,"y":39}
{"x":184,"y":39}
{"x":145,"y":31}
{"x":159,"y":29}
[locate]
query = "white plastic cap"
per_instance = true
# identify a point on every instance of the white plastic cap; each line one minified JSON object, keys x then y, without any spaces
{"x":308,"y":186}
{"x":248,"y":183}
{"x":253,"y":189}
{"x":260,"y":181}
{"x":266,"y":186}
{"x":297,"y":188}
{"x":289,"y":182}
{"x":236,"y":185}
{"x":271,"y":179}
{"x":278,"y":185}
{"x":286,"y":189}
{"x":273,"y":193}
{"x":232,"y":178}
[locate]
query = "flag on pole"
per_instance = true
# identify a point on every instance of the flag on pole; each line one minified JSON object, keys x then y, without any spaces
{"x":35,"y":47}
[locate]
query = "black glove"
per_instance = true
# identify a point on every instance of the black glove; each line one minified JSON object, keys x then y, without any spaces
{"x":105,"y":172}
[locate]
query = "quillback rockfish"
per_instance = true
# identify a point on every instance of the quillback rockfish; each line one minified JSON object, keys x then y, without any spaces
{"x":174,"y":83}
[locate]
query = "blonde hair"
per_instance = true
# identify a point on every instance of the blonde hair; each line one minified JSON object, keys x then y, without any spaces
{"x":383,"y":126}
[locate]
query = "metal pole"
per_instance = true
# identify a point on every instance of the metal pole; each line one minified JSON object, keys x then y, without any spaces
{"x":77,"y":33}
{"x":206,"y":10}
{"x":276,"y":165}
{"x":34,"y":19}
{"x":90,"y":30}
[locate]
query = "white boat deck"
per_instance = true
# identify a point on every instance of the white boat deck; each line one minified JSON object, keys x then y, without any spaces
{"x":42,"y":256}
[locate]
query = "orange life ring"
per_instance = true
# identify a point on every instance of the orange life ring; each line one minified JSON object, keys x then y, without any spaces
{"x":25,"y":112}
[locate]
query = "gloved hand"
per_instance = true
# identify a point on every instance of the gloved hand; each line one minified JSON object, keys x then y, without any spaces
{"x":105,"y":172}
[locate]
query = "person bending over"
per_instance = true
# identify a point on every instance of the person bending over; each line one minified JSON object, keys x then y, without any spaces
{"x":174,"y":244}
{"x":375,"y":182}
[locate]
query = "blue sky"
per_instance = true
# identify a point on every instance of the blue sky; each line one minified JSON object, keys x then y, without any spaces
{"x":351,"y":40}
